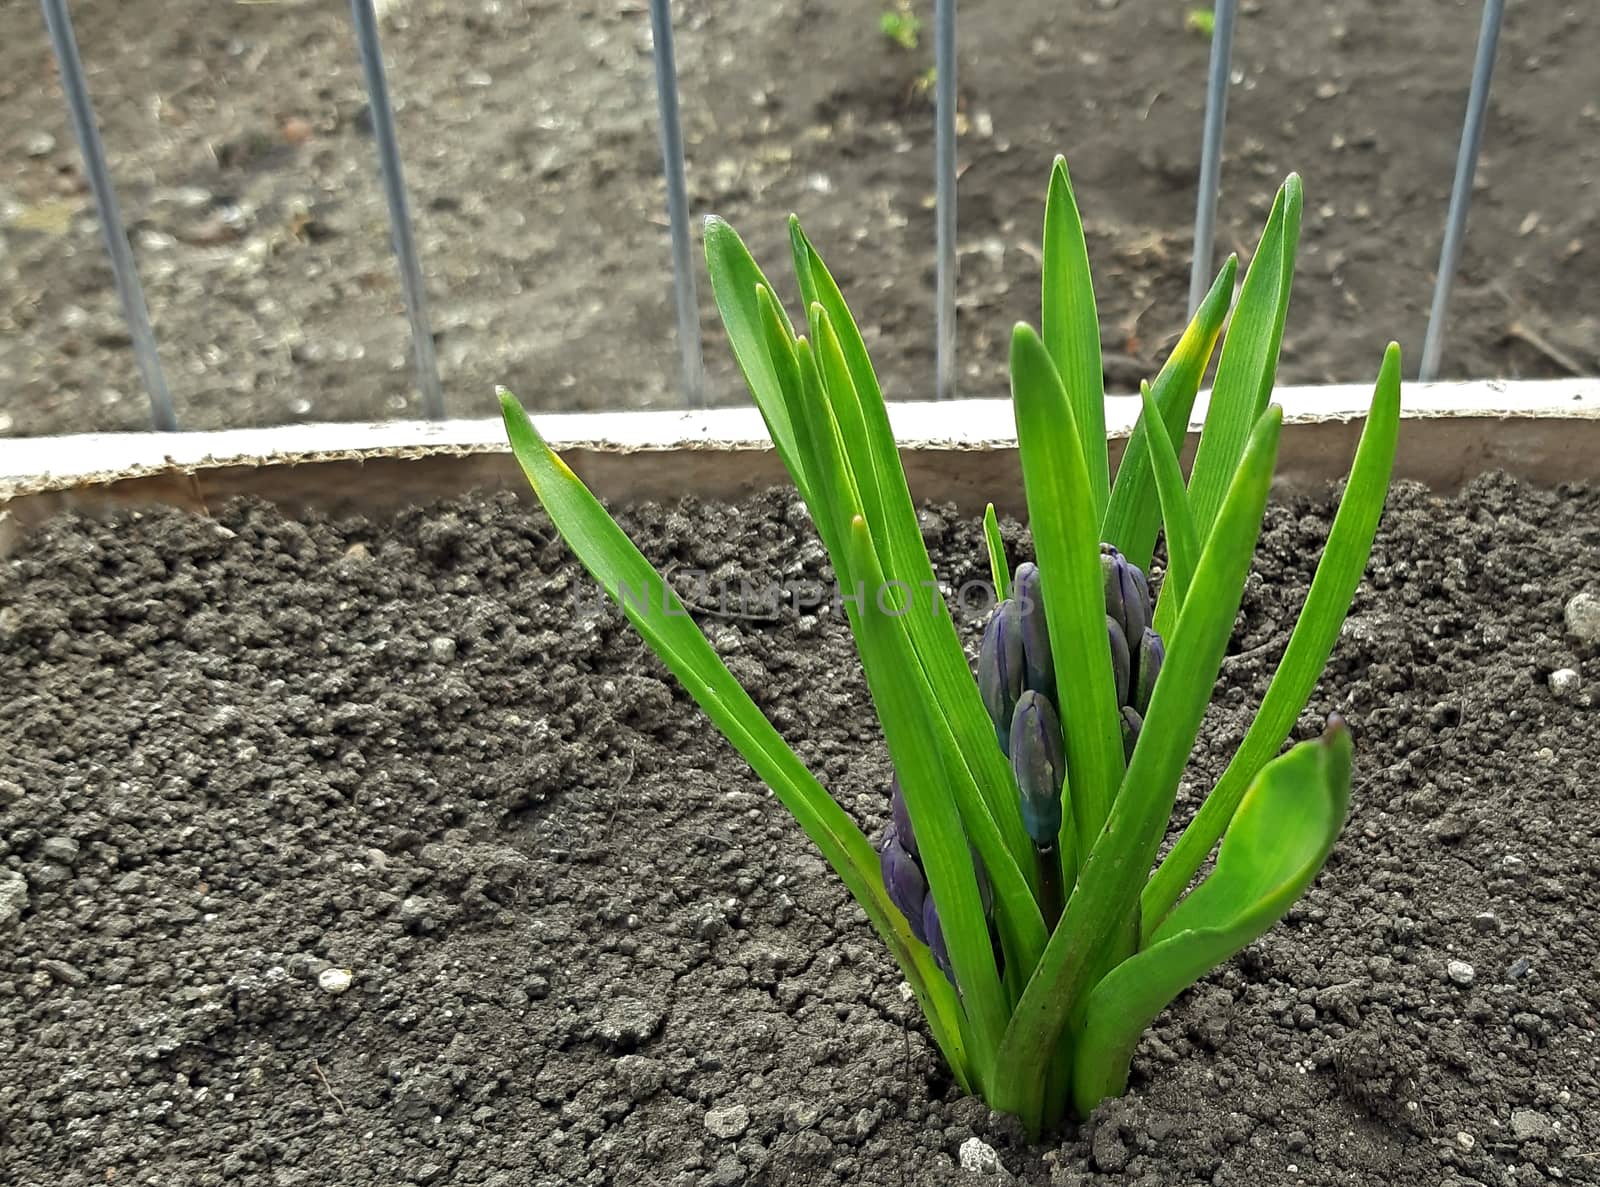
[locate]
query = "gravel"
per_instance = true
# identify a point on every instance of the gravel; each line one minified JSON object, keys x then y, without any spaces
{"x":13,"y":897}
{"x":1461,"y":973}
{"x":1583,"y":617}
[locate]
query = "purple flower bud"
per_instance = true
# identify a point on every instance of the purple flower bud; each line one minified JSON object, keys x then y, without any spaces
{"x":1152,"y":653}
{"x":1132,"y":723}
{"x":901,"y":817}
{"x":1111,"y":570}
{"x":985,"y":891}
{"x":1000,"y":667}
{"x":1039,"y":762}
{"x":935,"y":939}
{"x":903,"y":880}
{"x":1039,"y":669}
{"x":1141,"y":596}
{"x":1121,"y":661}
{"x":1127,"y":592}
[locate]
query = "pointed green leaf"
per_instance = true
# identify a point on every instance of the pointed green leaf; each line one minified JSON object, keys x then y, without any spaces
{"x":1183,"y":548}
{"x":1344,"y":560}
{"x":835,"y":498}
{"x":909,"y":720}
{"x":1277,"y":842}
{"x":840,"y":392}
{"x":1070,"y":327}
{"x":660,"y":617}
{"x":1057,"y":485}
{"x":735,"y":279}
{"x":932,"y":634}
{"x":1249,"y":358}
{"x":1021,"y":925}
{"x":1134,"y":517}
{"x":801,"y":253}
{"x":999,"y":567}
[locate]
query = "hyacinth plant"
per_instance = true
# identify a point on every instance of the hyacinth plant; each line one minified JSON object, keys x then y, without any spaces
{"x":1016,"y":884}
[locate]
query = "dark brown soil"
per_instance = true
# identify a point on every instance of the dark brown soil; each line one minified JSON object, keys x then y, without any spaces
{"x":248,"y":179}
{"x":586,"y":947}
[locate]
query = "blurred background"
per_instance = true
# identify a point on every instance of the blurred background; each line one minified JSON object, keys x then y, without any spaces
{"x":240,"y":143}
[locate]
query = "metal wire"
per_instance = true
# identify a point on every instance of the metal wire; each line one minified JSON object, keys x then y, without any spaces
{"x":1205,"y":208}
{"x":1455,"y":226}
{"x":944,"y":168}
{"x":137,"y":316}
{"x":401,"y":238}
{"x":129,"y":292}
{"x":691,"y":359}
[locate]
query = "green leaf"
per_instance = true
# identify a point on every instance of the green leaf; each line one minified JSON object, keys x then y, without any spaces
{"x":1067,"y":548}
{"x":735,"y":280}
{"x":777,"y":347}
{"x":659,"y":616}
{"x":835,"y":499}
{"x":999,"y":567}
{"x":1133,"y":517}
{"x":1119,"y":858}
{"x":838,"y":414}
{"x":1183,"y":547}
{"x":932,"y":634}
{"x":1279,"y":839}
{"x":909,"y":720}
{"x":1344,"y":560}
{"x":818,"y":288}
{"x":1070,"y":327}
{"x":1249,"y":358}
{"x":843,"y":400}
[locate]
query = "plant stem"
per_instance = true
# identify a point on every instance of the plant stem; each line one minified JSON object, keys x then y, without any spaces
{"x":1049,"y":886}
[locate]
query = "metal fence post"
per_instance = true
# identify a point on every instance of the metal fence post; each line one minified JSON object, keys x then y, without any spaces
{"x":394,"y":190}
{"x":1205,"y":209}
{"x":129,"y":292}
{"x":944,"y":165}
{"x":691,"y":360}
{"x":1461,"y":189}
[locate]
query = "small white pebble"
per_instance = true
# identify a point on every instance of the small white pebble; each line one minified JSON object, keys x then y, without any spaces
{"x":442,"y":648}
{"x":1583,"y":617}
{"x":1564,"y":683}
{"x":334,"y":981}
{"x":1465,"y":1140}
{"x":980,"y":1158}
{"x":1460,"y":972}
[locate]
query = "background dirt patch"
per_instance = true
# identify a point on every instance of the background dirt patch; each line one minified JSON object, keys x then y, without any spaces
{"x":241,"y":150}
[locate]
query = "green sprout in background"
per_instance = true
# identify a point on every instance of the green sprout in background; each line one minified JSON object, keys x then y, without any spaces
{"x":900,"y":25}
{"x":1200,"y":20}
{"x":1017,"y":885}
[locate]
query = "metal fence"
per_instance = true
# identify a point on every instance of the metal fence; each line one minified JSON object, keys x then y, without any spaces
{"x":403,"y":241}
